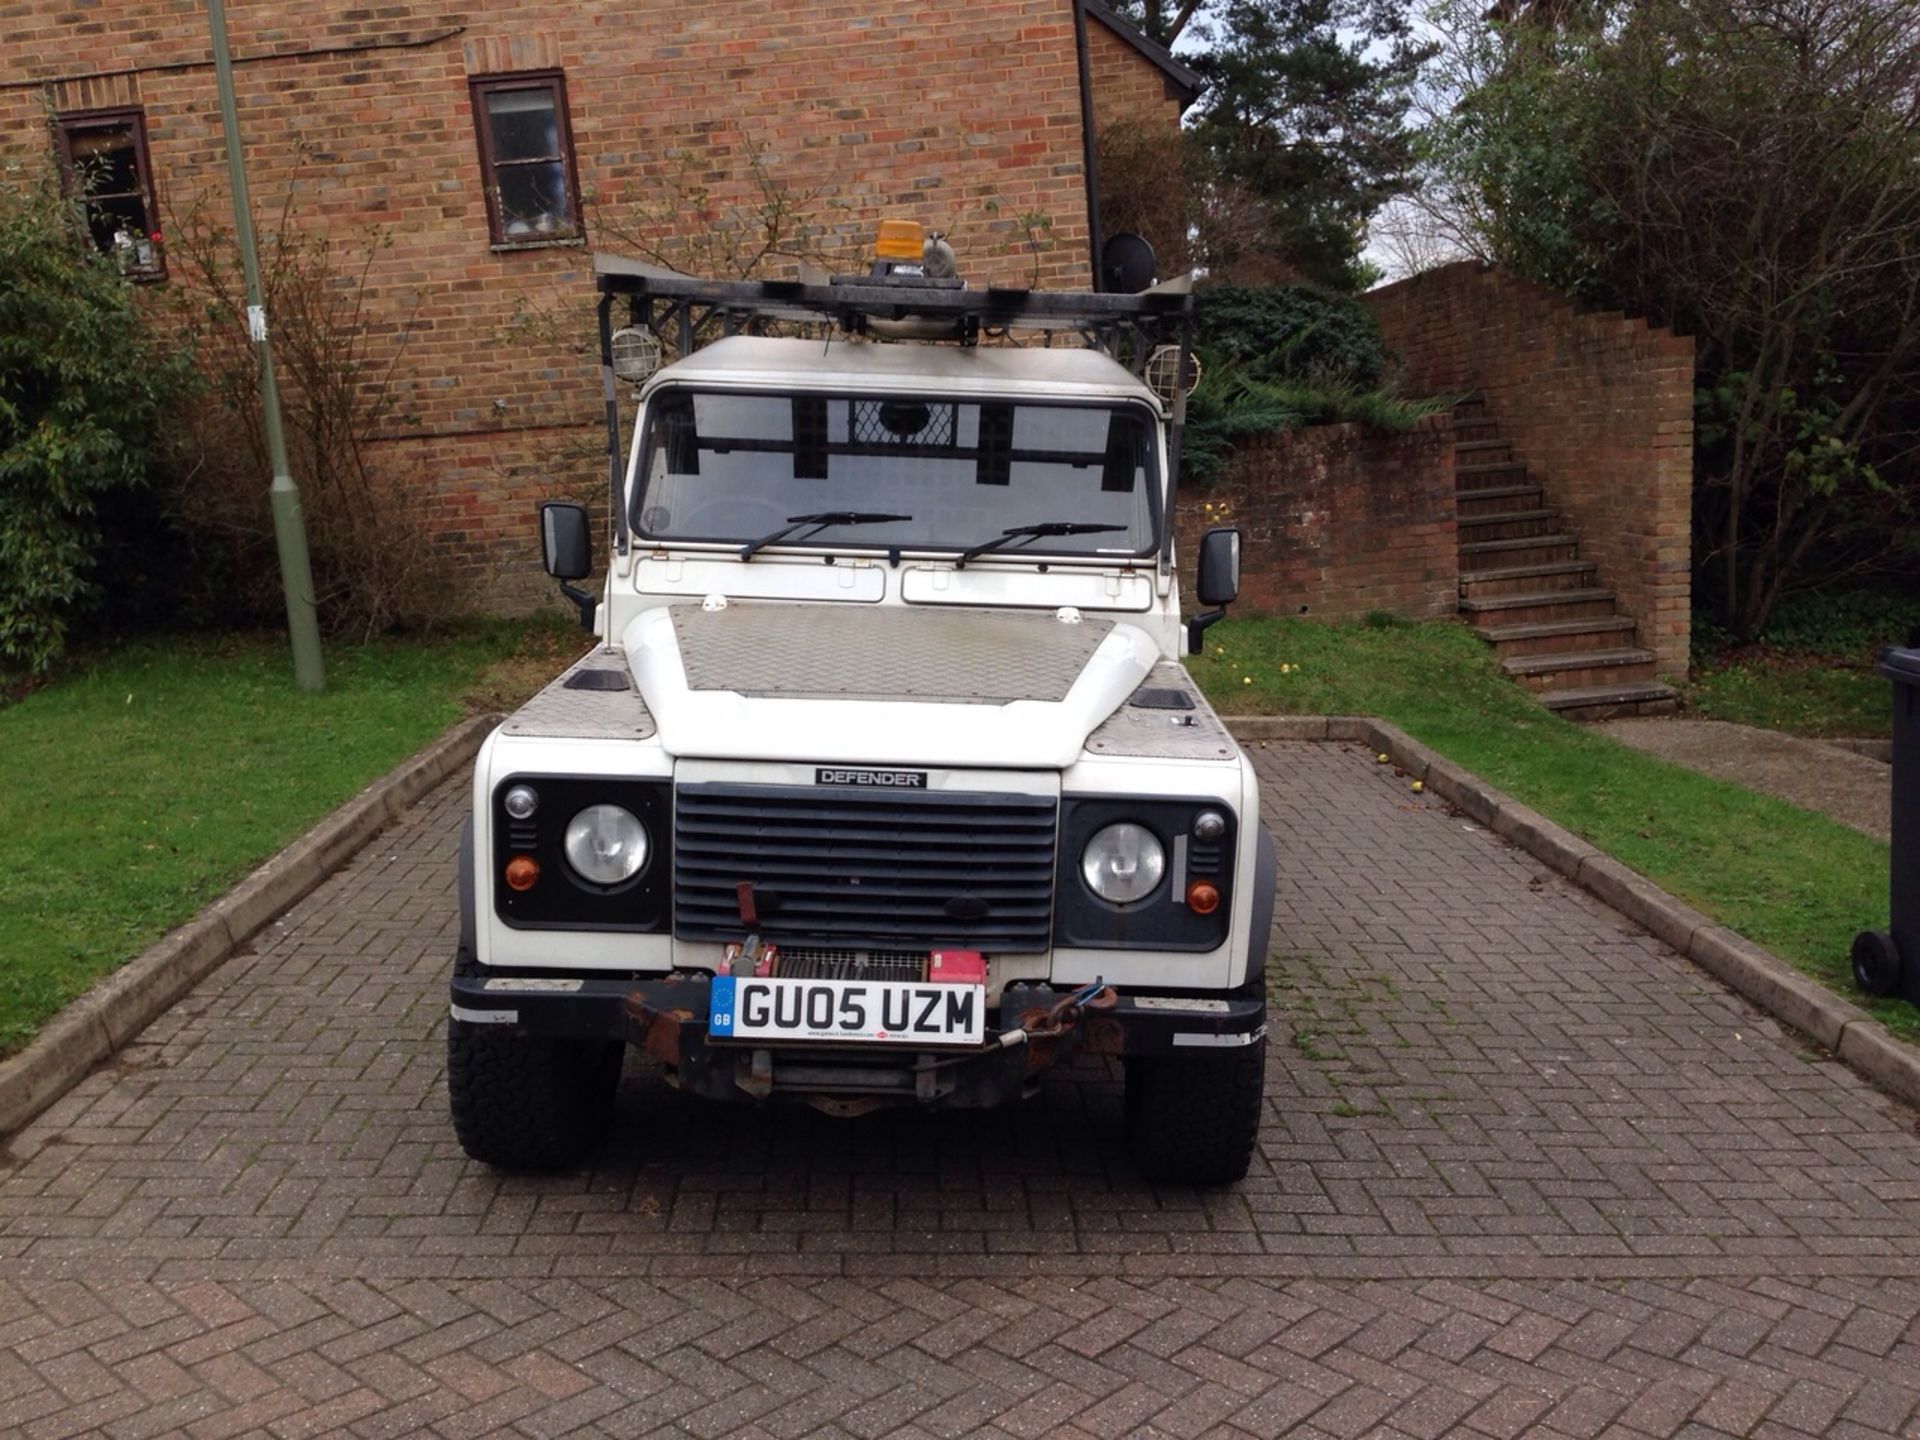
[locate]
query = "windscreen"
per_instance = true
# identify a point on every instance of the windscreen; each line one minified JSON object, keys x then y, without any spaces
{"x":718,"y":466}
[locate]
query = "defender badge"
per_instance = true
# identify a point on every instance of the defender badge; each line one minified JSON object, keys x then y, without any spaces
{"x":877,"y":779}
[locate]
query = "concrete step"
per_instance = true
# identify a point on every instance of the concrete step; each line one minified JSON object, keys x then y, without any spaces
{"x":1518,"y":639}
{"x":1538,"y":607}
{"x":1613,"y":702}
{"x":1472,"y":407}
{"x":1509,"y":524}
{"x":1519,"y":579}
{"x":1482,"y":452}
{"x":1580,"y":669}
{"x":1475,"y":427}
{"x":1524,"y":550}
{"x":1497,"y":497}
{"x":1491,"y":472}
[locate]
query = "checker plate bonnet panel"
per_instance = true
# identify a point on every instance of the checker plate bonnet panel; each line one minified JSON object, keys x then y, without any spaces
{"x":561,"y":713}
{"x":837,"y":652}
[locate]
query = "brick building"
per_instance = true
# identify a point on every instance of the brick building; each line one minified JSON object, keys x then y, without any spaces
{"x":491,"y":147}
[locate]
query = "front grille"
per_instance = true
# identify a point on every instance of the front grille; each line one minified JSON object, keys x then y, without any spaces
{"x":810,"y":962}
{"x":854,"y":870}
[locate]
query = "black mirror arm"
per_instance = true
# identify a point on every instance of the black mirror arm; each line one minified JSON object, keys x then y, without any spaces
{"x":583,"y":601}
{"x":1197,"y":629}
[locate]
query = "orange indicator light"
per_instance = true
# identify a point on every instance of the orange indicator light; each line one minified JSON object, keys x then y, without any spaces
{"x":522,"y":872}
{"x":1203,"y":897}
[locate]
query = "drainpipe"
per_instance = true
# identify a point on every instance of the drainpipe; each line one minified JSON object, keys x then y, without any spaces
{"x":1089,"y":148}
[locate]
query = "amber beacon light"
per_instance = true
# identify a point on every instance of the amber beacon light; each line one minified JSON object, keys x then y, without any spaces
{"x":899,"y":240}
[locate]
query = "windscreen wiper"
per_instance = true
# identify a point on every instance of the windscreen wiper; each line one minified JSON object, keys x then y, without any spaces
{"x":1032,"y":532}
{"x":819,"y":522}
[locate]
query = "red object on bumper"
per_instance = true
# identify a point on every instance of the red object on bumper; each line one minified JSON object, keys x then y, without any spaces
{"x":958,"y":967}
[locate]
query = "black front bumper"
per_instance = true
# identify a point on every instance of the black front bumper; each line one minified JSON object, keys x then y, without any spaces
{"x":667,"y":1017}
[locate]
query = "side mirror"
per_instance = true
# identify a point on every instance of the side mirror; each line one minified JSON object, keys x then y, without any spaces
{"x":1216,"y":582}
{"x":566,"y":541}
{"x":566,"y":549}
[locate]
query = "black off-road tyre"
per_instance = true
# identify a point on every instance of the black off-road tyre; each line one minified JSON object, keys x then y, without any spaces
{"x":524,"y":1102}
{"x":1193,"y":1120}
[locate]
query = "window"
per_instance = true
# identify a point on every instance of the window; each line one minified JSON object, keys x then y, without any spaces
{"x":103,"y":155}
{"x":526,"y":158}
{"x":942,"y":472}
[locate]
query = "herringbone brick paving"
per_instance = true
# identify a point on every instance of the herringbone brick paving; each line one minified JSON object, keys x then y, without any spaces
{"x":1523,"y":1172}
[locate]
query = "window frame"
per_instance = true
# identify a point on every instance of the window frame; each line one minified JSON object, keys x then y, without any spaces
{"x":69,"y":123}
{"x":555,"y":82}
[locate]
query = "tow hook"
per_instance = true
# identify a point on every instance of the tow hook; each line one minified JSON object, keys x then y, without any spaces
{"x":1043,"y":1031}
{"x":1065,"y":1012}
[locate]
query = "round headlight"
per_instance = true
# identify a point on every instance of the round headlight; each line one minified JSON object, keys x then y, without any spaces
{"x":521,"y":802}
{"x":1123,"y":862}
{"x":606,"y":845}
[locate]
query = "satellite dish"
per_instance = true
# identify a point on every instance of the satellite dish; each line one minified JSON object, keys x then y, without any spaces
{"x":1126,"y":263}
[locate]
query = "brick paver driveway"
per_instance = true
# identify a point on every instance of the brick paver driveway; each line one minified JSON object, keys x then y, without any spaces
{"x":1524,"y":1171}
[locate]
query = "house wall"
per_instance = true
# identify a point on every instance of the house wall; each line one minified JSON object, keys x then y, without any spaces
{"x":1126,"y":85}
{"x":1339,"y":520}
{"x":966,"y":118}
{"x":1599,"y":406}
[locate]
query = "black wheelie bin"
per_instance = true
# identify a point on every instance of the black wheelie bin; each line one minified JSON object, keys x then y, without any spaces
{"x":1887,"y":962}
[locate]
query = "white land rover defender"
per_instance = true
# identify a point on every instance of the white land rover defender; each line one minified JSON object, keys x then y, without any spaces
{"x":885,"y":784}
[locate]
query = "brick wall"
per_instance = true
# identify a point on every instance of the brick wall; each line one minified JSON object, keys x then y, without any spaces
{"x":965,"y":118}
{"x":1339,"y":520}
{"x":1127,"y":85}
{"x":1600,"y":407}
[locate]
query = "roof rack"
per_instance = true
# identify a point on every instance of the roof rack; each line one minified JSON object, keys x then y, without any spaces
{"x":682,"y":309}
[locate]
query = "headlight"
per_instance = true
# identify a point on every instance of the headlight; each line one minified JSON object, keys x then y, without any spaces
{"x":1123,"y":863}
{"x":606,"y":845}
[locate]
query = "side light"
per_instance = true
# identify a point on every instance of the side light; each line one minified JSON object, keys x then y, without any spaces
{"x":521,"y":801}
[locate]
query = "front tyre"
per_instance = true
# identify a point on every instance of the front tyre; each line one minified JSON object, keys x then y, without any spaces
{"x":1192,"y":1120}
{"x":523,"y":1102}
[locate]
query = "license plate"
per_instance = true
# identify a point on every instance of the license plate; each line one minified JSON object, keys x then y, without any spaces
{"x":891,"y":1011}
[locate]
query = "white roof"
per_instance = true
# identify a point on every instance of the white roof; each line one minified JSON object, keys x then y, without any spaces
{"x":843,"y":364}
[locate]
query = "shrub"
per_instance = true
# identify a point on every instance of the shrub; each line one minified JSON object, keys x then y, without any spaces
{"x":1231,"y":403}
{"x":1278,"y":357}
{"x":1291,"y":332}
{"x":82,"y":383}
{"x":1851,"y":624}
{"x":375,"y":565}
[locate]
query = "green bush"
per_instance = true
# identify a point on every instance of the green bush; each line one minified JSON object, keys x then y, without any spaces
{"x":1233,"y":403}
{"x":82,"y":383}
{"x":1848,"y":624}
{"x":1291,"y":332}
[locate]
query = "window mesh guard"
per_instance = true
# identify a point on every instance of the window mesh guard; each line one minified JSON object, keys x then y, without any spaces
{"x":906,"y":423}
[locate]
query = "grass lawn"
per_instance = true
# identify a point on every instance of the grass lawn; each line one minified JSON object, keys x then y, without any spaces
{"x":1788,"y":879}
{"x":1798,"y":693}
{"x":1812,"y":670}
{"x":144,"y":782}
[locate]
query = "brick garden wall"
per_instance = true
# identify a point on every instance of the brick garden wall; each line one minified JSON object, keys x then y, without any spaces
{"x":1600,"y":407}
{"x":1339,"y":520}
{"x":965,"y":118}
